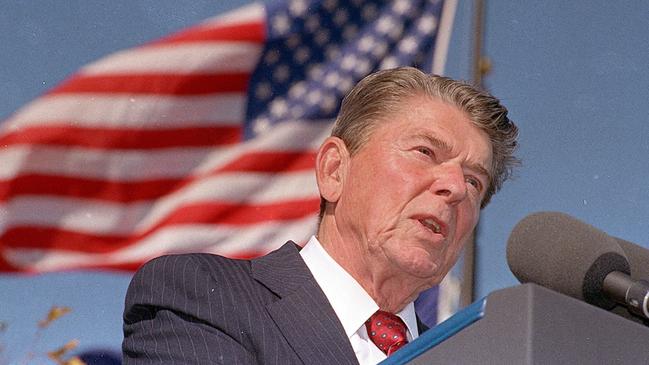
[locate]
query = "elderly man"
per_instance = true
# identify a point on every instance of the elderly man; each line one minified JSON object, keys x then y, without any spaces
{"x":411,"y":161}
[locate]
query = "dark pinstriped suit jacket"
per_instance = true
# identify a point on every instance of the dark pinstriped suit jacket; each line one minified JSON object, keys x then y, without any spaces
{"x":207,"y":309}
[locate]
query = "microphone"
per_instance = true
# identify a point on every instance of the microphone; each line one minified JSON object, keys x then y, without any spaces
{"x":638,"y":257}
{"x":569,"y":256}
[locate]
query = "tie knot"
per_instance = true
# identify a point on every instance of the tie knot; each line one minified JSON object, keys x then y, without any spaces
{"x":387,"y":331}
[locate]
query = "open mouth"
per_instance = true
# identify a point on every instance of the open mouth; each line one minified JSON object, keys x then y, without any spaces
{"x":432,"y":224}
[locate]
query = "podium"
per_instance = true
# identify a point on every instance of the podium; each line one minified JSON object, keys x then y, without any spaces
{"x":529,"y":324}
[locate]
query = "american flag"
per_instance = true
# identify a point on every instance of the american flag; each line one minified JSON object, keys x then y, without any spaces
{"x":203,"y":141}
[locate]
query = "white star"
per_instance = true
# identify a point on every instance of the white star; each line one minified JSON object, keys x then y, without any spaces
{"x":348,"y":62}
{"x":302,"y":55}
{"x":332,"y":52}
{"x":389,"y":62}
{"x":344,"y":85}
{"x":315,"y":72}
{"x":366,"y":43}
{"x":328,"y":103}
{"x":350,"y":32}
{"x":380,"y":49}
{"x":395,"y":31}
{"x":263,"y":91}
{"x":384,"y":24}
{"x":297,"y":90}
{"x":278,"y":108}
{"x":312,"y":23}
{"x":332,"y":79}
{"x":322,"y":37}
{"x":281,"y":73}
{"x":281,"y":23}
{"x":401,"y":7}
{"x":341,"y":17}
{"x":271,"y":57}
{"x":314,"y":97}
{"x":293,"y":41}
{"x":261,"y":125}
{"x":297,"y":8}
{"x":330,"y":4}
{"x":362,"y":67}
{"x":369,"y":12}
{"x":427,"y":24}
{"x":408,"y":45}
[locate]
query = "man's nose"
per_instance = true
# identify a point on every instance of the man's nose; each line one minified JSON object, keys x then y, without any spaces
{"x":449,"y":183}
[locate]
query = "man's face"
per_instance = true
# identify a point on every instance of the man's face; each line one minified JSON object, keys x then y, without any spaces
{"x":412,"y":193}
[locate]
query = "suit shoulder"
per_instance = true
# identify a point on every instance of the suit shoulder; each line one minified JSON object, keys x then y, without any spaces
{"x":186,"y":266}
{"x":185,"y":275}
{"x":189,"y":264}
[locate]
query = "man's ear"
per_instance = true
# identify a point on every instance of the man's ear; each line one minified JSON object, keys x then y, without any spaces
{"x":331,"y":167}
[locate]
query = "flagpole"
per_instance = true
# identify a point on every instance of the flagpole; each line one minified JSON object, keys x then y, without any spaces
{"x":479,"y":69}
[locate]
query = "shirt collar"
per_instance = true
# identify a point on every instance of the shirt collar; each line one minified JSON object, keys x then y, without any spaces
{"x":350,"y":301}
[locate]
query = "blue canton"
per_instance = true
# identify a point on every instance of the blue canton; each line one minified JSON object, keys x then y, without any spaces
{"x":316,"y":51}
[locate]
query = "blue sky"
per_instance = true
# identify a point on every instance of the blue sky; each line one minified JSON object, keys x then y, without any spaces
{"x":573,"y":75}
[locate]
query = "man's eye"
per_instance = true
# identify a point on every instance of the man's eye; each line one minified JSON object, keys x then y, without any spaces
{"x":425,"y":151}
{"x":473,"y":181}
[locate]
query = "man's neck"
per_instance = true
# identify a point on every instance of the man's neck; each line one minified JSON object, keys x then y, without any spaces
{"x":390,"y":290}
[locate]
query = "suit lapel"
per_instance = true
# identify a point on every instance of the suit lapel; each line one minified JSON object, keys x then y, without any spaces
{"x":303,"y":313}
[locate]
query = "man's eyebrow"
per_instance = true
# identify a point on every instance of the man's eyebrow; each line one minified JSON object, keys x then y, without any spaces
{"x":480,"y":170}
{"x":442,"y":145}
{"x":433,"y":140}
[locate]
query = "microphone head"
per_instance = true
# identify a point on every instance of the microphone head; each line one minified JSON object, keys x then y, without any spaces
{"x":564,"y":254}
{"x":638,"y":257}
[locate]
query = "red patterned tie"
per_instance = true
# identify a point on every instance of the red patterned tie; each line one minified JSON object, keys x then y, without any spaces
{"x":387,"y":331}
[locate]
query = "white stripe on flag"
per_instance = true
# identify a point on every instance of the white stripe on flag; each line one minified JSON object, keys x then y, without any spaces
{"x":131,"y":111}
{"x":142,"y":165}
{"x":103,"y":217}
{"x":245,"y":14}
{"x":214,"y":238}
{"x":193,"y":58}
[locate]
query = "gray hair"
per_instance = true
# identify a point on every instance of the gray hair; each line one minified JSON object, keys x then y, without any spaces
{"x":380,"y":93}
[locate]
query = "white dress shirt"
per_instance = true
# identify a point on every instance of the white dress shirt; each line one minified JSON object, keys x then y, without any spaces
{"x":350,"y":301}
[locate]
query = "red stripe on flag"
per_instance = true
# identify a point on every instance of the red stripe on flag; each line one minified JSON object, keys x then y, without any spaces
{"x":133,"y":266}
{"x":6,"y":267}
{"x":242,"y":214}
{"x":272,"y":162}
{"x":132,"y":191}
{"x":161,"y":84}
{"x":121,"y":192}
{"x":65,"y":134}
{"x":247,"y":32}
{"x":202,"y":213}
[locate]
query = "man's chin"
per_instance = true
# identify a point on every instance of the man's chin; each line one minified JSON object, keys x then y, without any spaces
{"x":422,"y":269}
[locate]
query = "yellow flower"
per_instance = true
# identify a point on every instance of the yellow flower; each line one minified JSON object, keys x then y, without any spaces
{"x":75,"y":361}
{"x":55,"y":313}
{"x":57,"y":355}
